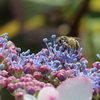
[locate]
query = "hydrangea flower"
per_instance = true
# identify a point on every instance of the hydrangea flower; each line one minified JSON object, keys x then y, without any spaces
{"x":25,"y":74}
{"x":79,"y":88}
{"x":57,"y":57}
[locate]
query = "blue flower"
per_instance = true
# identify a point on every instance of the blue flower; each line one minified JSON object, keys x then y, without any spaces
{"x":3,"y":42}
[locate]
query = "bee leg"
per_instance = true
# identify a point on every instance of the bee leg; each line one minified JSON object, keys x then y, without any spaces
{"x":77,"y":45}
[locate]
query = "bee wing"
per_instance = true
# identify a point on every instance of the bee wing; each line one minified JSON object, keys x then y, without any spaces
{"x":76,"y":38}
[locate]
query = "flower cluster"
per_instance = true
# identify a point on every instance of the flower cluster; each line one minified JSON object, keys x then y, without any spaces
{"x":24,"y":73}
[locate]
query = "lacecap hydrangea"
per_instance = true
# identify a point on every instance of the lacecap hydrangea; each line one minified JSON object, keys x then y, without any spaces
{"x":22,"y":72}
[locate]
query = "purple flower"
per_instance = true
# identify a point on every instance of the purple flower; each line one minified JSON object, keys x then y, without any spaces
{"x":54,"y":66}
{"x":79,"y":88}
{"x":62,"y":75}
{"x":44,"y":69}
{"x":37,"y":75}
{"x":56,"y":57}
{"x":3,"y":82}
{"x":3,"y":42}
{"x":19,"y":93}
{"x":30,"y":90}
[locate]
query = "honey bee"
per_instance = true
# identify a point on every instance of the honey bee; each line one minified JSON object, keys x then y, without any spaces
{"x":72,"y":42}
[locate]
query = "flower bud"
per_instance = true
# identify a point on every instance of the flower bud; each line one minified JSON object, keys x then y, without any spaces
{"x":96,"y":64}
{"x":37,"y":75}
{"x":44,"y":69}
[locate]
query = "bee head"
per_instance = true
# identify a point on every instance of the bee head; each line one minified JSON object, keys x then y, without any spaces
{"x":60,"y":40}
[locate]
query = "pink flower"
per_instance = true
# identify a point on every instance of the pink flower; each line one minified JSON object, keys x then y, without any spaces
{"x":79,"y":88}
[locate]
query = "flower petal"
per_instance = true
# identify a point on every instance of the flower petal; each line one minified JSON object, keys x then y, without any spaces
{"x":79,"y":88}
{"x":29,"y":97}
{"x":48,"y":93}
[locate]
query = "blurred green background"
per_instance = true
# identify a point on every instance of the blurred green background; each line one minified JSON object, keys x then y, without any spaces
{"x":29,"y":21}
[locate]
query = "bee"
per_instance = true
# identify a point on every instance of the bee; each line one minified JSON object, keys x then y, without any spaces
{"x":72,"y":42}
